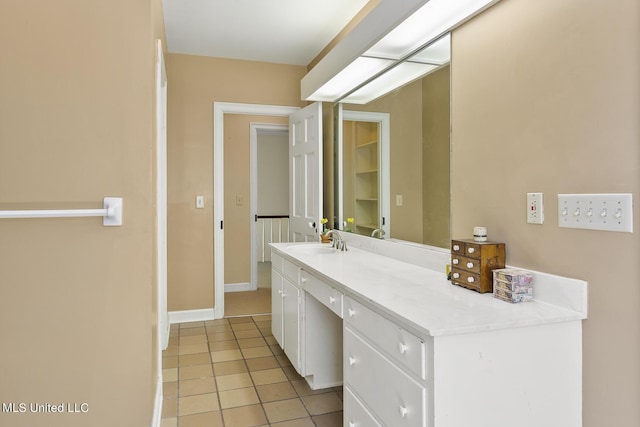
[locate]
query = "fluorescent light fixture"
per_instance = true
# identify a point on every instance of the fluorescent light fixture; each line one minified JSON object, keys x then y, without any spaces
{"x":438,"y":52}
{"x":360,"y":70}
{"x":398,"y":76}
{"x":435,"y":18}
{"x":431,"y":20}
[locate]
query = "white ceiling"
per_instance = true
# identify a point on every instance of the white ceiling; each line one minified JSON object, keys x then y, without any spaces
{"x":280,"y":31}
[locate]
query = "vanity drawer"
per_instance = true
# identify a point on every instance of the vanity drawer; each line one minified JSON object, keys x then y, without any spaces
{"x":402,"y":346}
{"x":290,"y":271}
{"x":276,"y":262}
{"x":394,"y":397}
{"x":355,"y":414}
{"x":465,"y":279}
{"x":469,"y":264}
{"x":321,"y":291}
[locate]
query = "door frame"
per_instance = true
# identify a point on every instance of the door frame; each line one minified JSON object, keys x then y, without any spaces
{"x":219,"y":110}
{"x":253,"y":177}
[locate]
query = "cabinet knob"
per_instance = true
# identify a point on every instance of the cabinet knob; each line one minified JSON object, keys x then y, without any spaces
{"x":279,"y":291}
{"x":455,"y":261}
{"x":351,"y":312}
{"x":402,"y":348}
{"x":303,"y":279}
{"x":352,"y":424}
{"x":456,"y":247}
{"x":403,"y":411}
{"x":471,"y":250}
{"x":352,"y":360}
{"x":456,"y":275}
{"x":332,"y":300}
{"x":470,"y":279}
{"x":469,"y":265}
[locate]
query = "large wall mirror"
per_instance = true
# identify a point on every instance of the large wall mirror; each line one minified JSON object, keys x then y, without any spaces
{"x":392,"y":154}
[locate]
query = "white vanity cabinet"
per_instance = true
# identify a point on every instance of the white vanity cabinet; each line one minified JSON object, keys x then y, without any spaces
{"x":384,"y":370}
{"x":286,"y":308}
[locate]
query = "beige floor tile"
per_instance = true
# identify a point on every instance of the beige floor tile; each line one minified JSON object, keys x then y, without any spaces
{"x":260,"y":363}
{"x":283,"y":360}
{"x":328,"y":420}
{"x":303,"y":389}
{"x":238,"y":397}
{"x":252,"y":342}
{"x":228,"y":368}
{"x":223,"y":345}
{"x":189,"y":325}
{"x":193,"y":339}
{"x":169,"y":422}
{"x":169,"y":408}
{"x":253,"y":352}
{"x":268,"y":376}
{"x":169,"y":375}
{"x":241,"y":319}
{"x":197,"y":386}
{"x":217,"y":329}
{"x":199,"y":403}
{"x":216,"y":322}
{"x":261,"y":317}
{"x":300,"y":422}
{"x":283,"y":410}
{"x":169,"y":362}
{"x":277,"y":391}
{"x":172,"y":350}
{"x":263,"y":323}
{"x":174,"y":339}
{"x":291,"y":373}
{"x":194,"y":359}
{"x":322,"y":403}
{"x":244,"y":416}
{"x":225,"y":355}
{"x":277,"y":350}
{"x":192,"y":331}
{"x":193,"y":348}
{"x":251,"y":333}
{"x":250,"y":326}
{"x":208,"y":419}
{"x":221,"y":336}
{"x":271,"y":340}
{"x":193,"y":372}
{"x":170,"y":390}
{"x":230,"y":382}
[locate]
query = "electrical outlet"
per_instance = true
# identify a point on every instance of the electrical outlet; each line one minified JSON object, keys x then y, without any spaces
{"x":607,"y":212}
{"x":535,"y":208}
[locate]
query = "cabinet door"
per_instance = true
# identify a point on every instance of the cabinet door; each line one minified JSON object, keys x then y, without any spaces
{"x":291,"y":322}
{"x":276,"y":307}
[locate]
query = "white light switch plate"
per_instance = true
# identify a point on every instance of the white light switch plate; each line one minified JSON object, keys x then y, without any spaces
{"x":199,"y":202}
{"x":607,"y":212}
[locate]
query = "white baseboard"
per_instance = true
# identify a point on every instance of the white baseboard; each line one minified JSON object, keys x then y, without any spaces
{"x":191,"y":315}
{"x":238,"y":287}
{"x":157,"y":403}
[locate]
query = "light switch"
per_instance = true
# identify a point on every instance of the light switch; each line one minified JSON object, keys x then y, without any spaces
{"x":399,"y":200}
{"x":606,"y":212}
{"x":199,"y":202}
{"x":239,"y":200}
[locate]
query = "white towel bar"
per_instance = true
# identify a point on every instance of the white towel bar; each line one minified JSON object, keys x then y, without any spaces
{"x":111,"y":213}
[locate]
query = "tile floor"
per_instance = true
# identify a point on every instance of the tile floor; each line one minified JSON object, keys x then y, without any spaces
{"x":231,"y":372}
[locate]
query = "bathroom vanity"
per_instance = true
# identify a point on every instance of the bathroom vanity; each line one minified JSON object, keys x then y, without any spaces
{"x":413,"y":350}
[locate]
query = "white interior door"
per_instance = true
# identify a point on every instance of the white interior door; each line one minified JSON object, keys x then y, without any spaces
{"x":305,"y":173}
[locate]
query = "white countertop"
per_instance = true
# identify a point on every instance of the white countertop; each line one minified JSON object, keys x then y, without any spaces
{"x":424,"y":299}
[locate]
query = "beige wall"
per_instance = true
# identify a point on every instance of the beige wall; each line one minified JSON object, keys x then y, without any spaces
{"x":76,"y":124}
{"x":546,"y":97}
{"x":195,"y":83}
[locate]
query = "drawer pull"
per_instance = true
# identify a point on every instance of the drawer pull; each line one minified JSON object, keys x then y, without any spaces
{"x":403,"y":411}
{"x":351,"y":312}
{"x":352,"y":424}
{"x":471,"y":250}
{"x":279,"y":291}
{"x":402,"y":348}
{"x":469,"y":265}
{"x":470,"y":279}
{"x":352,"y":361}
{"x":332,"y":300}
{"x":456,"y":247}
{"x":455,"y":261}
{"x":456,"y":275}
{"x":303,"y":279}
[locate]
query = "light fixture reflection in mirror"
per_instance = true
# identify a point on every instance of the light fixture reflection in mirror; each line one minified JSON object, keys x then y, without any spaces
{"x":418,"y":161}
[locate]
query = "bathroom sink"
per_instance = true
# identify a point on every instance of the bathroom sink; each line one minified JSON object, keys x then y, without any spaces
{"x":312,"y":249}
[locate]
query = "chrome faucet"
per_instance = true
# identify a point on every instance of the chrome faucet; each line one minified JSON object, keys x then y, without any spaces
{"x":337,"y":242}
{"x":378,"y":231}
